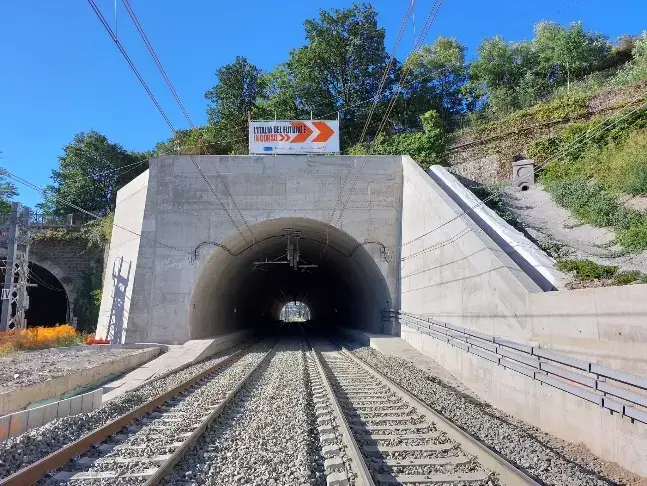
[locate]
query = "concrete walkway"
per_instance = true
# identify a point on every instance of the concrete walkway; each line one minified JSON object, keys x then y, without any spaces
{"x":176,"y":358}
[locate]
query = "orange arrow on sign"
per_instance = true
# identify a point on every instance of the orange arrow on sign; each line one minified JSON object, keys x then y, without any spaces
{"x":325,"y":132}
{"x":283,"y":137}
{"x":305,"y":132}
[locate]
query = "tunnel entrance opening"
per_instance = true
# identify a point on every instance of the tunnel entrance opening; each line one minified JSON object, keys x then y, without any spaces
{"x":295,"y":311}
{"x":48,"y":301}
{"x":246,"y":285}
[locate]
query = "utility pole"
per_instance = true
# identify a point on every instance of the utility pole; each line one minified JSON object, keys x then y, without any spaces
{"x":14,"y":291}
{"x":7,"y":288}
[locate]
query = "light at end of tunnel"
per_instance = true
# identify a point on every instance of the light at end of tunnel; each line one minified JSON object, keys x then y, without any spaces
{"x":295,"y":312}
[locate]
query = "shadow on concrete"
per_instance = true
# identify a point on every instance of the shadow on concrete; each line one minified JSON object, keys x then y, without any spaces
{"x":118,"y":309}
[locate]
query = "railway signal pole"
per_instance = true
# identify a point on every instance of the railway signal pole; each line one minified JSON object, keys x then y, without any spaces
{"x":15,"y":300}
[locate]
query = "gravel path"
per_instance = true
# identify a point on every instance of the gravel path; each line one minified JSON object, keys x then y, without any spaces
{"x":18,"y":452}
{"x":263,"y":437}
{"x":544,"y":219}
{"x":26,"y":368}
{"x":553,"y":461}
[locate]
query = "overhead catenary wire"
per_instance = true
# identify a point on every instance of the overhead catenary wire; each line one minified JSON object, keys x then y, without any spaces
{"x":153,"y":54}
{"x":375,"y":98}
{"x":44,"y":192}
{"x":569,"y":148}
{"x":125,"y":55}
{"x":423,"y":35}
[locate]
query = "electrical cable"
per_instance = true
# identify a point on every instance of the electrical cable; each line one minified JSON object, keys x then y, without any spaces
{"x":375,"y":98}
{"x":159,"y":108}
{"x":33,"y":186}
{"x":423,"y":35}
{"x":153,"y":54}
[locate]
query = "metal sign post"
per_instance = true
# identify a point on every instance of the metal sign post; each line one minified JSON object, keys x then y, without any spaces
{"x":9,"y":275}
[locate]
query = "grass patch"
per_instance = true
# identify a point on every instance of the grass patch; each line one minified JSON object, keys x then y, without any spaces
{"x":592,"y":203}
{"x":588,"y":271}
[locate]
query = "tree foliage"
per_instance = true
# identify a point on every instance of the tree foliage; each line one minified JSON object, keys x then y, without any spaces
{"x":515,"y":75}
{"x":91,"y":171}
{"x":8,"y":191}
{"x":438,"y":75}
{"x":240,"y":84}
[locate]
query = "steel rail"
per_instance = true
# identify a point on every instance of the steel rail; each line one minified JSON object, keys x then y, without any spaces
{"x":38,"y":470}
{"x":166,"y":468}
{"x":487,"y":456}
{"x":360,"y":467}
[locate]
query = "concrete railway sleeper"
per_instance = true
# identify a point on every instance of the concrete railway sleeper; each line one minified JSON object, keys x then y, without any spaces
{"x":400,"y":439}
{"x":144,"y":445}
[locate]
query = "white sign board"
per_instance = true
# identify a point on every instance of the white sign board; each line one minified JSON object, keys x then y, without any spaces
{"x":294,"y":137}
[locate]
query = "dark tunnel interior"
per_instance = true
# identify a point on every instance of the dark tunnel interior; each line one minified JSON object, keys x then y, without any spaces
{"x":338,"y":278}
{"x":48,"y":303}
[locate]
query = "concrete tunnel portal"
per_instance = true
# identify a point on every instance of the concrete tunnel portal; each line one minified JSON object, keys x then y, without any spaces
{"x":336,"y":277}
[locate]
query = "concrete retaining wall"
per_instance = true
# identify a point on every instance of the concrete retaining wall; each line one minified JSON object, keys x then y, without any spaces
{"x":17,"y":423}
{"x":532,"y":260}
{"x":451,"y":269}
{"x":19,"y":399}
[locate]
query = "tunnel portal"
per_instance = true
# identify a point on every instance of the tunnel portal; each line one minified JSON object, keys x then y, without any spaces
{"x":190,"y":260}
{"x":331,"y":273}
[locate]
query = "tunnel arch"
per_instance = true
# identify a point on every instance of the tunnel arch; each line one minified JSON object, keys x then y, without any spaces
{"x":49,"y":302}
{"x":347,"y":286}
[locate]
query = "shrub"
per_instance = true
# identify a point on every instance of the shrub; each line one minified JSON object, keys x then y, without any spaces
{"x":40,"y":338}
{"x":627,"y":277}
{"x":587,"y":270}
{"x":428,"y":147}
{"x":634,"y":237}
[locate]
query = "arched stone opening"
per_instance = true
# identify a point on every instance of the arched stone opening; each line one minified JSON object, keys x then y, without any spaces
{"x":245,"y":286}
{"x":48,"y":301}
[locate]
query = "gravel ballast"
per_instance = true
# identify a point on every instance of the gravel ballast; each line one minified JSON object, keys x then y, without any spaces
{"x":19,"y":452}
{"x":263,"y":437}
{"x":24,"y":368}
{"x":164,"y":427}
{"x":552,"y":460}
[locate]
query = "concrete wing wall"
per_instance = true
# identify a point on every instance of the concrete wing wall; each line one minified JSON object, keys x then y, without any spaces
{"x":122,"y":261}
{"x":451,"y":269}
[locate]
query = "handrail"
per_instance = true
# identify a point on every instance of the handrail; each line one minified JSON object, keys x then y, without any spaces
{"x":587,"y":380}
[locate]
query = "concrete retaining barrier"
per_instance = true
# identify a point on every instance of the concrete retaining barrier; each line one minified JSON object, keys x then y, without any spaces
{"x":18,"y":399}
{"x":18,"y":423}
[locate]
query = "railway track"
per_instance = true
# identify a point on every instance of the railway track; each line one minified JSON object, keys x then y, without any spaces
{"x":393,"y":438}
{"x":144,"y":445}
{"x":370,"y":431}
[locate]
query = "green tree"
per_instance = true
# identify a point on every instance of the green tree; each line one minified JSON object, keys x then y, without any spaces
{"x":279,"y":99}
{"x":91,"y":171}
{"x":7,"y":192}
{"x":438,"y":76}
{"x":566,"y":54}
{"x":240,"y":85}
{"x":427,"y":147}
{"x":341,"y":66}
{"x":635,"y":70}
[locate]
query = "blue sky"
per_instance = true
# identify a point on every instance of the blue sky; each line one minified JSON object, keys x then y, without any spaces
{"x":61,"y":74}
